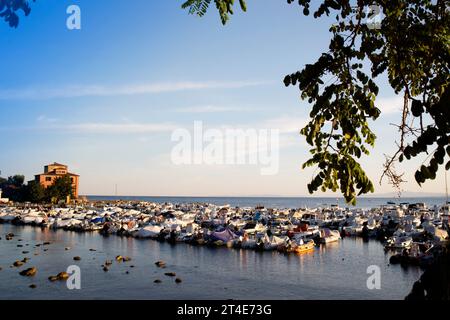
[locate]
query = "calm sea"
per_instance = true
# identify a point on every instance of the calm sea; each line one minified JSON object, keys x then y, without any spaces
{"x":336,"y":271}
{"x":279,"y":202}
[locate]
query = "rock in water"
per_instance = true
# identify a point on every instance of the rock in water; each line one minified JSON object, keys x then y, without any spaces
{"x":160,"y":264}
{"x":178,"y":280}
{"x":171,"y":274}
{"x":31,"y":272}
{"x":33,"y":286}
{"x":63,"y":276}
{"x":18,"y":263}
{"x":157,"y":281}
{"x":77,"y":258}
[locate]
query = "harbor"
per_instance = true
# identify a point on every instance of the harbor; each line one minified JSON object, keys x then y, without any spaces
{"x":153,"y":250}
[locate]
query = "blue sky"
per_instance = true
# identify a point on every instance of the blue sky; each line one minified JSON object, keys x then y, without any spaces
{"x":105,"y":99}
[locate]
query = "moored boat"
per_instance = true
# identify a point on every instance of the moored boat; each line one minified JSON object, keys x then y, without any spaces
{"x":329,"y":236}
{"x":306,"y":247}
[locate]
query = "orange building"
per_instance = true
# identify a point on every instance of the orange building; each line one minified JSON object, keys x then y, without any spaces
{"x":55,"y":171}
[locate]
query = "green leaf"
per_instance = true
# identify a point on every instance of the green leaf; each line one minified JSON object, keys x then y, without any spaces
{"x":416,"y":108}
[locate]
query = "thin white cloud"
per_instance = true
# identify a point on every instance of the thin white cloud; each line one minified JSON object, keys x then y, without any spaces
{"x":286,"y":124}
{"x":207,"y":109}
{"x":390,"y":105}
{"x":112,"y":128}
{"x":72,"y":91}
{"x":45,"y":119}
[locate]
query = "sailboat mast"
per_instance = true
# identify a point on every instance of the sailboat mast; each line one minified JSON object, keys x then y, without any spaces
{"x":446,"y":189}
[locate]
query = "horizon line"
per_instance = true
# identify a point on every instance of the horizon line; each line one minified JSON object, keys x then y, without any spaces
{"x":437,"y":195}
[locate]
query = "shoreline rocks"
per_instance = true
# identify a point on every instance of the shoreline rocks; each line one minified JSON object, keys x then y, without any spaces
{"x":170,"y":274}
{"x":31,"y":272}
{"x":160,"y":264}
{"x":18,"y":264}
{"x":63,"y":276}
{"x":59,"y":277}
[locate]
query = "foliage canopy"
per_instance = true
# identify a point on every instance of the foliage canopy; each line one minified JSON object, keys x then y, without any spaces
{"x":15,"y":189}
{"x":9,"y":8}
{"x":412,"y":45}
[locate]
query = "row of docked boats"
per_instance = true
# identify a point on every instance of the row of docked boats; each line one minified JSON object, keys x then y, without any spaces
{"x":284,"y":230}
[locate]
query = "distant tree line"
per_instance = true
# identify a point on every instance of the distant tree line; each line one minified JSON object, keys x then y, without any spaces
{"x":16,"y":190}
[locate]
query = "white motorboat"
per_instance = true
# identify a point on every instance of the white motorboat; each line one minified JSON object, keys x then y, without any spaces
{"x":329,"y":236}
{"x":394,"y":242}
{"x":148,"y":232}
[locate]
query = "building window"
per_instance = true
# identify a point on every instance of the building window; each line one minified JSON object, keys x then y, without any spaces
{"x":71,"y":179}
{"x":48,"y":179}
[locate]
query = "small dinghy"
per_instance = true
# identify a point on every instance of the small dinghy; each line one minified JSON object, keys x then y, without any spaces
{"x":272,"y":243}
{"x":305,"y":247}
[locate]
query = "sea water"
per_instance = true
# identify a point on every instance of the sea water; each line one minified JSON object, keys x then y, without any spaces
{"x":334,"y":271}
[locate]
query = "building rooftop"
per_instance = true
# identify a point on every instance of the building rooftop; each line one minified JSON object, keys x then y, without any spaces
{"x":53,"y":173}
{"x":57,"y":164}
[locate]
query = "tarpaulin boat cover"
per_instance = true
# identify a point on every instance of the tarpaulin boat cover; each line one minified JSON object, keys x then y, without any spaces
{"x":257,"y":216}
{"x":224,"y":236}
{"x":98,"y":220}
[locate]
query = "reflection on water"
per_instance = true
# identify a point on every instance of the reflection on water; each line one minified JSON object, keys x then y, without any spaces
{"x":332,"y":271}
